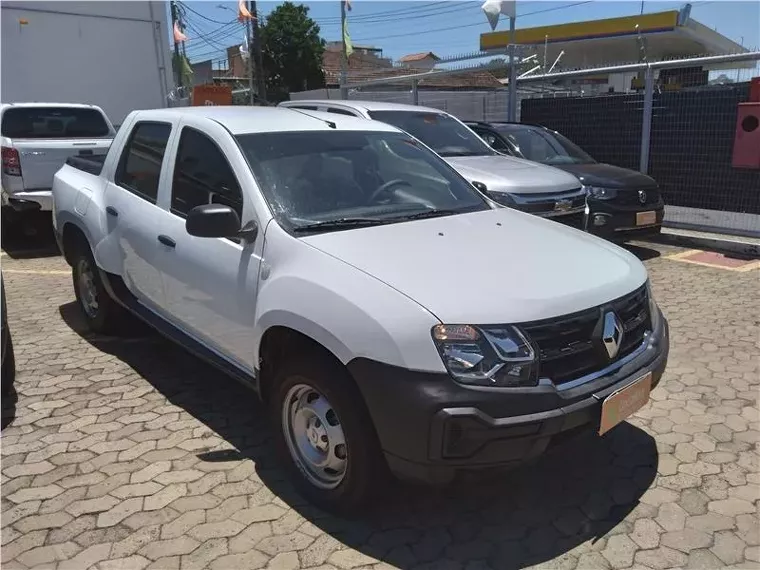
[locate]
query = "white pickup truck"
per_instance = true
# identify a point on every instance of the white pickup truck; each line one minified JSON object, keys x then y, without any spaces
{"x":343,"y":270}
{"x":37,"y":138}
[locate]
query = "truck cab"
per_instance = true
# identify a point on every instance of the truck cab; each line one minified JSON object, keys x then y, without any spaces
{"x":345,"y":272}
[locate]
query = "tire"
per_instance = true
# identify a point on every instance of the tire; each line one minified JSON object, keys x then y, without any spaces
{"x":102,"y":314}
{"x":364,"y":468}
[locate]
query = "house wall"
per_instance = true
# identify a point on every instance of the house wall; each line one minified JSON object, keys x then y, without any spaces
{"x":112,"y":54}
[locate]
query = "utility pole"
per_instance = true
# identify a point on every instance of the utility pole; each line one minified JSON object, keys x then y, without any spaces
{"x":177,"y":62}
{"x":256,"y":45}
{"x":344,"y":54}
{"x":248,"y":35}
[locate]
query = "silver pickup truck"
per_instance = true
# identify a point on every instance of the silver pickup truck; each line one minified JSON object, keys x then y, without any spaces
{"x":37,"y":138}
{"x":521,"y":184}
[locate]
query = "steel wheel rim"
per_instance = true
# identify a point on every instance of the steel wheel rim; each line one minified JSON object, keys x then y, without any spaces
{"x":88,"y":293}
{"x":314,"y":436}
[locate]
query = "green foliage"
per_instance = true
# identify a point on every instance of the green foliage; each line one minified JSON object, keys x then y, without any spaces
{"x":291,"y":51}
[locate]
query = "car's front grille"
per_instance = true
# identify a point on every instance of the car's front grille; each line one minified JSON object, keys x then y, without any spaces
{"x":576,"y":220}
{"x":633,"y":197}
{"x":547,"y":203}
{"x":570,"y":346}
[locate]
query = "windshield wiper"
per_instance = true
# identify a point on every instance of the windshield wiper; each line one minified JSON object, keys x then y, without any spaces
{"x":340,"y":223}
{"x":430,"y":214}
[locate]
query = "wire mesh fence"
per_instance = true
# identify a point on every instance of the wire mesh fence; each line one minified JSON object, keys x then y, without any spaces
{"x":672,"y":120}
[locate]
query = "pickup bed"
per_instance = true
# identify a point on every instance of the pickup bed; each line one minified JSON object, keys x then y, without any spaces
{"x":343,"y":270}
{"x":37,"y":138}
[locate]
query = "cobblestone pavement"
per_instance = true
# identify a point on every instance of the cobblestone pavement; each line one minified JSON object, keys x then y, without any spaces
{"x":131,"y":454}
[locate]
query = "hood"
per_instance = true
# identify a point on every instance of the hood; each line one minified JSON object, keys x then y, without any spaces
{"x":609,"y":176}
{"x":506,"y":174}
{"x":493,"y":267}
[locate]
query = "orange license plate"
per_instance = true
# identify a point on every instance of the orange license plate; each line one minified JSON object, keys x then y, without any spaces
{"x":626,"y":401}
{"x":646,"y":218}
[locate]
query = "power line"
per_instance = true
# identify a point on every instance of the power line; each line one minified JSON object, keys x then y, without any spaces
{"x":220,"y":38}
{"x":186,"y":7}
{"x":374,"y":19}
{"x":459,"y":26}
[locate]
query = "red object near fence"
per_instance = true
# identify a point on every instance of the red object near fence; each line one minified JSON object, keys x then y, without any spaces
{"x":747,"y":136}
{"x":754,"y":90}
{"x":212,"y":95}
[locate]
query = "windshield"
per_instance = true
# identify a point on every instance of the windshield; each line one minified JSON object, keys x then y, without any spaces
{"x":328,"y":178}
{"x":53,"y":123}
{"x":540,"y":145}
{"x":444,"y":134}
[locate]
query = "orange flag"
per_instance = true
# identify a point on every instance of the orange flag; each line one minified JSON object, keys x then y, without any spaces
{"x":243,"y":12}
{"x":178,"y":35}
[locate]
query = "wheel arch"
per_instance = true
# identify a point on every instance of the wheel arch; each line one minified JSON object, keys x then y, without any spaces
{"x":279,"y":341}
{"x":72,"y":235}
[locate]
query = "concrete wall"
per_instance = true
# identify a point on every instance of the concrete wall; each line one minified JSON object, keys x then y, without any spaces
{"x":113,"y":54}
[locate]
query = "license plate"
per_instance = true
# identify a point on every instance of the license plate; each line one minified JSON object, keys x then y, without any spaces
{"x":646,"y":218}
{"x":626,"y":401}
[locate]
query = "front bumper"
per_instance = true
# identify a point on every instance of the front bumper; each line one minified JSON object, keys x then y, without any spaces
{"x":431,"y":428}
{"x":620,"y":220}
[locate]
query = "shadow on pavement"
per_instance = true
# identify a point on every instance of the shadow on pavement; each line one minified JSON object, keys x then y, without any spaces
{"x":8,"y":408}
{"x":642,"y":252}
{"x":30,"y":236}
{"x":526,"y":516}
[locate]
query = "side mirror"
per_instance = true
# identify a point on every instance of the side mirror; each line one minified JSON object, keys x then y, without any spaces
{"x":213,"y":221}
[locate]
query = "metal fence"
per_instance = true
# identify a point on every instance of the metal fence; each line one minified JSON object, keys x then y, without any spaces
{"x":669,"y":119}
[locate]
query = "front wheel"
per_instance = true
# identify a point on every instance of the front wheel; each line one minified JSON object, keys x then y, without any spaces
{"x":325,"y":435}
{"x":102,"y":313}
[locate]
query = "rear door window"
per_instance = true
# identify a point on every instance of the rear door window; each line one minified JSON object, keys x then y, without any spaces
{"x":53,"y":123}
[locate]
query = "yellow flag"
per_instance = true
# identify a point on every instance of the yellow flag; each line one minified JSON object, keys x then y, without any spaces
{"x":347,"y":37}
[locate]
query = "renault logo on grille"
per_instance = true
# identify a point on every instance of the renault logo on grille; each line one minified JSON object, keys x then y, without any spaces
{"x":612,"y":334}
{"x":642,"y":197}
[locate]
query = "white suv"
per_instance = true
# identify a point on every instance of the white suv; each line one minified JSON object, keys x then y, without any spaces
{"x":343,"y":270}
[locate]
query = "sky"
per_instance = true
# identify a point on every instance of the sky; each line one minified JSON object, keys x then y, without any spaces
{"x":449,"y":28}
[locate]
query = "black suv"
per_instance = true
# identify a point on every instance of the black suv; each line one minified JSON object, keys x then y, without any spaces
{"x":621,"y":204}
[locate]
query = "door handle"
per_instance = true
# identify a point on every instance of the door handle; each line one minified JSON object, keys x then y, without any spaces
{"x":167,"y":241}
{"x":111,"y":211}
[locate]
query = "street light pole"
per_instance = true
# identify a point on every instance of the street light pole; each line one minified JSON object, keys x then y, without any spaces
{"x":512,"y":109}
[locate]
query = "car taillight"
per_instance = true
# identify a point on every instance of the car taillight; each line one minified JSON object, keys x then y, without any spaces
{"x":11,"y":162}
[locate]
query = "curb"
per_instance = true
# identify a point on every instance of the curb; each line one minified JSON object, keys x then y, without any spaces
{"x":729,"y":245}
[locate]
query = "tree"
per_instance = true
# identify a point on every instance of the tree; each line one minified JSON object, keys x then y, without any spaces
{"x":291,"y":51}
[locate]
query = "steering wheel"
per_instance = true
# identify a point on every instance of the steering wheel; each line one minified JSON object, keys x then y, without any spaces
{"x":387,"y":187}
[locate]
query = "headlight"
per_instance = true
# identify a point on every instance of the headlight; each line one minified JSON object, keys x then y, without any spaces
{"x":497,"y":356}
{"x":601,"y":193}
{"x":654,"y":311}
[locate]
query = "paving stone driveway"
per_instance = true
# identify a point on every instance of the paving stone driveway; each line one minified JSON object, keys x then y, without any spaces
{"x":132,"y":454}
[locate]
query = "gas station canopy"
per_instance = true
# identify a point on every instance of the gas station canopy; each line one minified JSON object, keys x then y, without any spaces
{"x":612,"y":41}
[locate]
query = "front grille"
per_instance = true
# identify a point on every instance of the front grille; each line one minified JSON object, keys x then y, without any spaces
{"x":545,"y":203}
{"x":567,"y":347}
{"x":631,"y":197}
{"x":576,"y":220}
